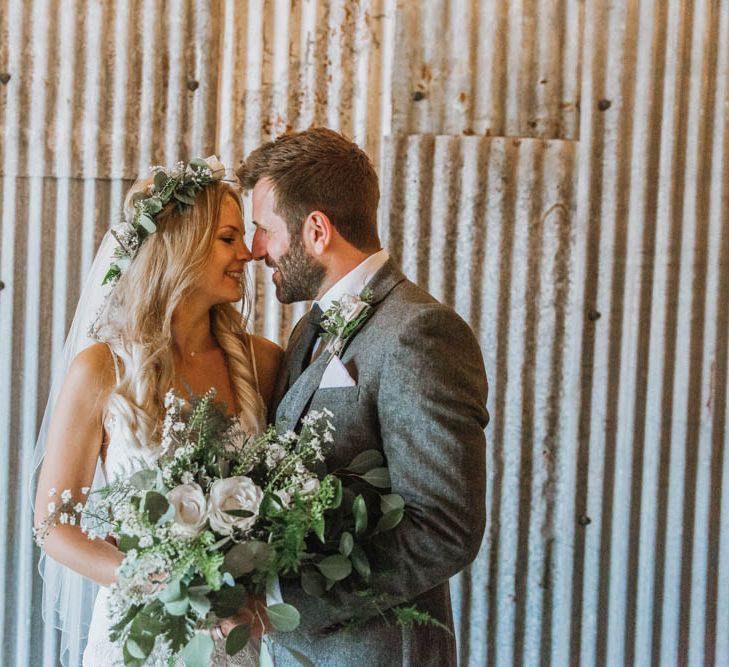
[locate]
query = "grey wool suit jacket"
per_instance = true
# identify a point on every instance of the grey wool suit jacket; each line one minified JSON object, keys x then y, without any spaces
{"x":420,"y":399}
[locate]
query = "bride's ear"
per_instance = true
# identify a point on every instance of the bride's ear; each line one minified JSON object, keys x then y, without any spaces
{"x":318,"y":232}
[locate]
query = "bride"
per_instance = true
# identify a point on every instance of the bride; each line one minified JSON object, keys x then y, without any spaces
{"x":166,"y":320}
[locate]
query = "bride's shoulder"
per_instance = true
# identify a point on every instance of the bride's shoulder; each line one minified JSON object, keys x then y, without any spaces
{"x":93,"y":367}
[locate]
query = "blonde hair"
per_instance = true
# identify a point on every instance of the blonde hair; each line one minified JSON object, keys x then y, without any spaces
{"x":137,"y":319}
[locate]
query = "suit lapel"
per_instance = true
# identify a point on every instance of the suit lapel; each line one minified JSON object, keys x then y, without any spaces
{"x":293,"y":404}
{"x":283,"y":379}
{"x":297,"y":398}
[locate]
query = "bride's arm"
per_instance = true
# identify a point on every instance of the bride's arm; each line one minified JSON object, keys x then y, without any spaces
{"x":74,"y":444}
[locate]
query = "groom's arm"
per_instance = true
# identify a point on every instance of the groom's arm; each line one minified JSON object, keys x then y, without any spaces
{"x":432,"y":413}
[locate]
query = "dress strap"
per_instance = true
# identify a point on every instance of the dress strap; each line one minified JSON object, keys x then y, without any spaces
{"x":116,"y":363}
{"x":253,"y":361}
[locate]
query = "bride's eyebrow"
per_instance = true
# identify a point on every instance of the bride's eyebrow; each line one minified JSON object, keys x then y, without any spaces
{"x":233,"y":227}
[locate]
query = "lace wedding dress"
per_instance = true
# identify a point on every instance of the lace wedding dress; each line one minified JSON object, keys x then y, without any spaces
{"x":122,"y":458}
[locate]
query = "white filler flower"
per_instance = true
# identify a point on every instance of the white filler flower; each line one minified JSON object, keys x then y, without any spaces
{"x":234,"y":493}
{"x":190,"y":508}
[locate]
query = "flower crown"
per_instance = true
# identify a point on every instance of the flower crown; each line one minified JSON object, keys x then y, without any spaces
{"x":179,"y":184}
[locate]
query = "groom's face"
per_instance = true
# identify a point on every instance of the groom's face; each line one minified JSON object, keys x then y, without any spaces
{"x":297,"y":275}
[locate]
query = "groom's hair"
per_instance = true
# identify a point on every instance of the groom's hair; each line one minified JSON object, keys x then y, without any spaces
{"x":319,"y":170}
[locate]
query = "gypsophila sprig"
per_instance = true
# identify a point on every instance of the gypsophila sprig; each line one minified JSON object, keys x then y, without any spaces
{"x":63,"y":510}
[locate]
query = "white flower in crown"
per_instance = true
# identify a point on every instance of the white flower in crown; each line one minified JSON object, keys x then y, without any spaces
{"x":344,"y":318}
{"x":217,"y":169}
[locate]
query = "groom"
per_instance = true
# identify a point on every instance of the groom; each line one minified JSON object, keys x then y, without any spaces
{"x":410,"y":382}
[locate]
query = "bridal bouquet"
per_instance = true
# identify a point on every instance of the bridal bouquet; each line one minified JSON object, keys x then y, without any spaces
{"x":215,"y":519}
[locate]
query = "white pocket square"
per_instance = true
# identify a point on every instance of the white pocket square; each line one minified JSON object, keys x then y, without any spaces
{"x":336,"y":375}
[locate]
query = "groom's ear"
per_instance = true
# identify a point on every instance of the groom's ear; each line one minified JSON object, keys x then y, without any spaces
{"x":318,"y":232}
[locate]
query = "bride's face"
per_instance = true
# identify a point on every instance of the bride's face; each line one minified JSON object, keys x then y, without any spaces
{"x":221,"y":281}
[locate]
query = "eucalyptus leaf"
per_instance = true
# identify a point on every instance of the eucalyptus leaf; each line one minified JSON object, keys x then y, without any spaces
{"x":391,"y":501}
{"x":143,"y":479}
{"x":237,"y":639}
{"x":130,"y":660}
{"x":283,"y":617}
{"x":135,"y":650}
{"x":390,"y":520}
{"x":346,"y":542}
{"x":155,"y":505}
{"x":127,"y":543}
{"x":200,"y":604}
{"x":366,"y":460}
{"x":360,"y":562}
{"x":147,"y":223}
{"x":160,"y":180}
{"x":171,"y":592}
{"x":199,"y":651}
{"x":336,"y":567}
{"x":184,"y":197}
{"x":359,"y":509}
{"x":379,"y":477}
{"x":153,"y":205}
{"x":177,"y":607}
{"x":246,"y":557}
{"x":199,"y":162}
{"x":312,"y":582}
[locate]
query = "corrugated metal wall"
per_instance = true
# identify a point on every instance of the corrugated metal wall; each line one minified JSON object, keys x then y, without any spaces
{"x":557,"y":170}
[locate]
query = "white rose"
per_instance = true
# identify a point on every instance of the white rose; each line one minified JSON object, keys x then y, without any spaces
{"x":216,"y":167}
{"x":351,"y":306}
{"x":190,"y":507}
{"x":234,"y":493}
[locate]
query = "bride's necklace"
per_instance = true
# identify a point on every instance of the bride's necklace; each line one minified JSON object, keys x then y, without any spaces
{"x":194,"y":353}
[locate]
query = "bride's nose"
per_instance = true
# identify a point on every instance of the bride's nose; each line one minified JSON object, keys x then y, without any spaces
{"x":244,"y":253}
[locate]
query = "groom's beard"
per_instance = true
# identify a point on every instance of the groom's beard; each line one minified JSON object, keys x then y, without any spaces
{"x":300,"y":275}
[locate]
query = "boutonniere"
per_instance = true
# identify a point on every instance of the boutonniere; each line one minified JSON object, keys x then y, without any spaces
{"x":343,"y":318}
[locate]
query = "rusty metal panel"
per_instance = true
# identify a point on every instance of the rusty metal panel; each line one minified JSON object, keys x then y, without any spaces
{"x":488,"y":67}
{"x":489,"y":226}
{"x":650,"y":378}
{"x":583,"y":232}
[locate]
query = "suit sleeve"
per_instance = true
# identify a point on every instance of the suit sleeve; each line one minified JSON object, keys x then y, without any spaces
{"x":432,"y":413}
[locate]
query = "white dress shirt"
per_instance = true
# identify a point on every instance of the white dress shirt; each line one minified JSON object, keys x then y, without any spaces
{"x":352,"y":283}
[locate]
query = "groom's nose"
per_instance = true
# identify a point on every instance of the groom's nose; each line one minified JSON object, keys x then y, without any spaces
{"x":258,"y":246}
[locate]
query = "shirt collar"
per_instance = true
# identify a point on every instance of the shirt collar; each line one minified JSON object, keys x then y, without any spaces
{"x":355,"y":281}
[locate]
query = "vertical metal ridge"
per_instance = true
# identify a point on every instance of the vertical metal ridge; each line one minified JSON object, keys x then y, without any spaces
{"x":714,"y":394}
{"x":488,"y":67}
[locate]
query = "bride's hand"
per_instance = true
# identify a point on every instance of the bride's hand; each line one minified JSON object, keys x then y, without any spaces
{"x":253,"y":614}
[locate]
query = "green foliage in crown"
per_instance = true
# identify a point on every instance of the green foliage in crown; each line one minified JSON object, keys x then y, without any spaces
{"x":179,"y":185}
